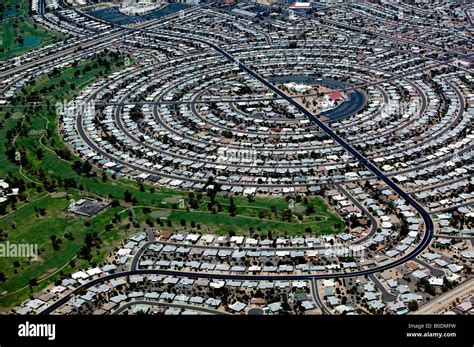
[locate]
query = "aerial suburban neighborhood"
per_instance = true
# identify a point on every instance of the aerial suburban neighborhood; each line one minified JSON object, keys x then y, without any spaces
{"x":228,"y":157}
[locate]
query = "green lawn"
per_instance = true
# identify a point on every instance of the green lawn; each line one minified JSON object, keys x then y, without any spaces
{"x":25,"y":224}
{"x":247,"y":218}
{"x":18,"y":32}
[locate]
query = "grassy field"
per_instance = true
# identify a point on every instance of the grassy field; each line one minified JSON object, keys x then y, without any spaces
{"x":25,"y":224}
{"x":18,"y":32}
{"x":40,"y":214}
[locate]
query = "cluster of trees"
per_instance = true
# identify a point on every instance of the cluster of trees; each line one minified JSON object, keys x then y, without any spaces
{"x":212,"y":189}
{"x":82,"y":167}
{"x":428,"y":288}
{"x":56,"y":242}
{"x":194,"y":200}
{"x":40,"y":211}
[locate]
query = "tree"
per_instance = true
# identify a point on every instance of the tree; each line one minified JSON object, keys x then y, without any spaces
{"x":84,"y":253}
{"x":227,"y":133}
{"x":56,"y":242}
{"x":82,"y":167}
{"x":287,"y":214}
{"x":39,"y":153}
{"x":33,"y":282}
{"x":310,"y":209}
{"x":86,"y":167}
{"x":413,"y":305}
{"x":232,"y":207}
{"x":68,"y":235}
{"x":127,"y":196}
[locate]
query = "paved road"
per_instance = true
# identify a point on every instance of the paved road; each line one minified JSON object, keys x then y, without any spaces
{"x":136,"y":258}
{"x":429,"y":226}
{"x":55,"y":56}
{"x":468,"y":16}
{"x":217,"y":276}
{"x":386,"y":295}
{"x":452,"y":207}
{"x":158,"y":303}
{"x":261,"y":99}
{"x":171,"y":177}
{"x":282,"y":95}
{"x":392,"y":38}
{"x":433,"y":271}
{"x":317,"y":298}
{"x":422,"y":109}
{"x":150,"y":234}
{"x":440,"y":185}
{"x":465,"y":237}
{"x":92,"y":42}
{"x":373,"y":221}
